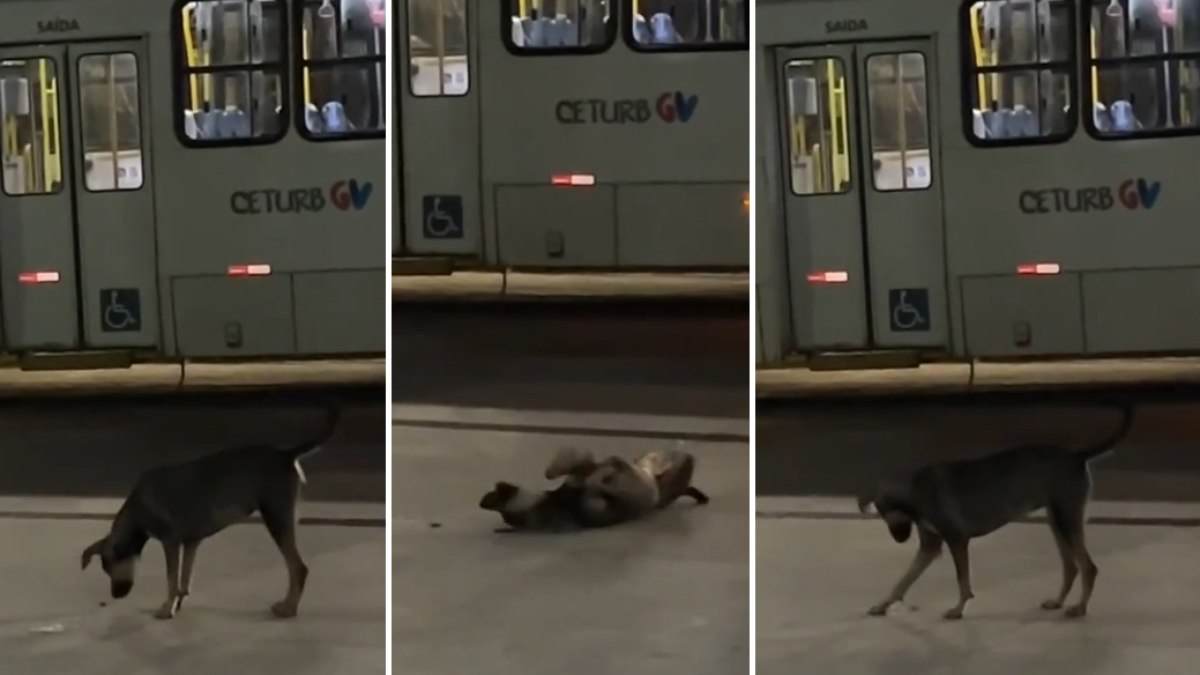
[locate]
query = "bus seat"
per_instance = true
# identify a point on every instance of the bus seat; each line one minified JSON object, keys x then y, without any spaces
{"x":313,"y":119}
{"x":518,"y":32}
{"x":335,"y":118}
{"x":641,"y":31}
{"x":1101,"y":118}
{"x":533,"y":32}
{"x":997,"y":123}
{"x":191,"y":127}
{"x":978,"y":124}
{"x":1123,"y":119}
{"x":568,"y":34}
{"x":234,"y":123}
{"x":663,"y":28}
{"x":1022,"y":123}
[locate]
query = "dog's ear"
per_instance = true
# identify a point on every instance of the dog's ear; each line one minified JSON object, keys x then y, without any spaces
{"x":93,"y":550}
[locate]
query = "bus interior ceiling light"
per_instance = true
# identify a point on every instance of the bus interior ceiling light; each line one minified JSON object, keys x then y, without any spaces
{"x":253,"y":270}
{"x":573,"y":179}
{"x":1039,"y":268}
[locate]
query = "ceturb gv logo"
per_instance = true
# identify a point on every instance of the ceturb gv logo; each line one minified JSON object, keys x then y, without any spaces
{"x":1139,"y":193}
{"x":675,"y":106}
{"x":350,"y":194}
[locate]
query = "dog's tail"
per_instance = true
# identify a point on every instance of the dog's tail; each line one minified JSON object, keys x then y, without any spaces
{"x":1091,"y":452}
{"x":333,"y":413}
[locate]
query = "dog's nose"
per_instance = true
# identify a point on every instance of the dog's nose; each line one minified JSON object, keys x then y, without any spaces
{"x":120,"y":590}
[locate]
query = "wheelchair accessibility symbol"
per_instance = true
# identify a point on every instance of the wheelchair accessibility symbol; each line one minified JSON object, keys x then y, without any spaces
{"x":909,"y":309}
{"x":120,"y":310}
{"x":442,"y":216}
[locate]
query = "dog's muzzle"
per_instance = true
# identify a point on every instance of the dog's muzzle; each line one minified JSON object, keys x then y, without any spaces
{"x":121,"y":589}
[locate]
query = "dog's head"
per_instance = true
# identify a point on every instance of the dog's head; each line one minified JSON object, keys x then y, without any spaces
{"x":890,"y":501}
{"x":117,"y":563}
{"x":499,"y":497}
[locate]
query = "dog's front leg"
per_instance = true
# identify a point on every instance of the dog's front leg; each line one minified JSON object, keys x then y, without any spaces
{"x":962,"y":569}
{"x":930,"y":549}
{"x":189,"y":560}
{"x":168,"y":609}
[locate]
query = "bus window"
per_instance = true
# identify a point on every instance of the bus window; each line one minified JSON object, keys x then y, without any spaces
{"x":341,"y":84}
{"x":1143,"y":67}
{"x":231,"y":82}
{"x":686,"y":25}
{"x":1021,"y":71}
{"x":29,"y":109}
{"x":558,"y":26}
{"x":438,"y":57}
{"x":899,"y":128}
{"x":111,"y":123}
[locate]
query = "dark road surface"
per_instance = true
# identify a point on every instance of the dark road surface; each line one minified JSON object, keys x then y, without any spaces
{"x":688,"y":358}
{"x":96,"y":447}
{"x":841,"y":448}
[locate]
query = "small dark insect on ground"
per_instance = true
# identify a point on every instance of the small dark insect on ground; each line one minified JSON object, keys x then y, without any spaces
{"x":435,"y":525}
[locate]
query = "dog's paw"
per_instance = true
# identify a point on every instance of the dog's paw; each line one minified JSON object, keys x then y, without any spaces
{"x":167,"y":611}
{"x":1052,"y":604}
{"x":283,"y":609}
{"x":1076,"y":611}
{"x":879,"y":610}
{"x":953,"y":614}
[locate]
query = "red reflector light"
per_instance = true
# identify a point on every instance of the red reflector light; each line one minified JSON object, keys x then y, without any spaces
{"x":573,"y":179}
{"x":1039,"y":268}
{"x":829,"y":277}
{"x":38,"y":277}
{"x":256,"y":270}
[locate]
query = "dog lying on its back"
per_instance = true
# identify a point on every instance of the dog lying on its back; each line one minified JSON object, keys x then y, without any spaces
{"x":182,"y":504}
{"x":954,"y":502}
{"x":596,"y":494}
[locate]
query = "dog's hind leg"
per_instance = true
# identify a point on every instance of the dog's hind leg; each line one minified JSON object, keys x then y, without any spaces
{"x":930,"y":549}
{"x":1087,"y":570}
{"x":962,"y":570}
{"x":1069,"y":511}
{"x":189,"y":560}
{"x":280,"y":519}
{"x":1069,"y":569}
{"x":171,"y":605}
{"x":697,"y":494}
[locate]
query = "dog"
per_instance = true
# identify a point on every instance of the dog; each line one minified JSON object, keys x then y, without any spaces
{"x":596,"y":494}
{"x":182,"y":504}
{"x":954,"y":502}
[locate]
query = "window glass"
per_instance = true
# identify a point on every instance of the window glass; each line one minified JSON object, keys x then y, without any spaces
{"x":232,"y":56}
{"x":818,"y":124}
{"x":899,"y":125}
{"x":559,"y":25}
{"x":1019,"y":78}
{"x":687,"y":24}
{"x":342,"y":84}
{"x":29,"y":108}
{"x":111,"y":122}
{"x":1144,"y":67}
{"x":439,"y":63}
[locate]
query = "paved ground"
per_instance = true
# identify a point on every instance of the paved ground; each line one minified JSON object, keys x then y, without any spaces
{"x":816,"y":579}
{"x":485,"y":393}
{"x":668,"y":595}
{"x":819,"y":566}
{"x":66,"y":465}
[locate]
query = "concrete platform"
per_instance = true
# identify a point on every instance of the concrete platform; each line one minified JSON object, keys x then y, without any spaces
{"x":948,"y":378}
{"x":669,"y":595}
{"x":816,"y":577}
{"x":51,"y":620}
{"x":491,"y":286}
{"x":170,"y":378}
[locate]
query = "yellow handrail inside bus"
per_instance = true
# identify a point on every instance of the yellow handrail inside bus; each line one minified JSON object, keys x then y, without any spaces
{"x":307,"y":74}
{"x":1095,"y":70}
{"x":977,"y":47}
{"x":48,"y":92}
{"x":189,"y":48}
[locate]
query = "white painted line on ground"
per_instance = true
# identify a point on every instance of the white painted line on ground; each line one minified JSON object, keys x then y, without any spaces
{"x":419,"y":415}
{"x":1096,"y":509}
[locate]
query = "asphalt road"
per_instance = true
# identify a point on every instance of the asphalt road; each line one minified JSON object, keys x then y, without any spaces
{"x":685,"y":358}
{"x":839,"y":448}
{"x":96,"y":447}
